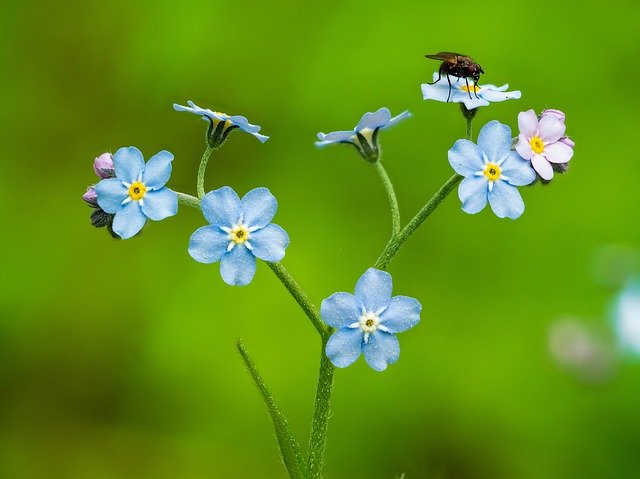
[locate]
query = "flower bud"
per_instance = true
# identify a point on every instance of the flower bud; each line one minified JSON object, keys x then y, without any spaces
{"x":91,"y":197}
{"x":103,"y":166}
{"x":552,"y":112}
{"x":567,"y":141}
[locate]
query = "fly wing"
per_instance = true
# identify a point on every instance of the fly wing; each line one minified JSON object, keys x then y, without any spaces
{"x":445,"y":56}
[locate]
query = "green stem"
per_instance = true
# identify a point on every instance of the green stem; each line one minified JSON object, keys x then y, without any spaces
{"x":318,"y":439}
{"x":201,"y":169}
{"x":469,"y":128}
{"x":188,"y":200}
{"x":301,"y":297}
{"x":393,"y":201}
{"x":289,"y":446}
{"x":394,"y":245}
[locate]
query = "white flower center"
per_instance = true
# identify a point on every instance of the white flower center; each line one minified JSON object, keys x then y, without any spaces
{"x":239,"y":233}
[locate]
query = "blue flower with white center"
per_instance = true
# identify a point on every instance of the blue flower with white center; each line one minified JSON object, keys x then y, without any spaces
{"x":463,"y":91}
{"x":491,"y":172}
{"x":365,"y":135}
{"x":240,"y":231}
{"x":221,"y":124}
{"x":367,"y":321}
{"x":137,"y":192}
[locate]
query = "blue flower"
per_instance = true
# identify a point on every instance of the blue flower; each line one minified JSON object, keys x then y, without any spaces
{"x":240,"y":231}
{"x":626,"y":317}
{"x":221,"y":124}
{"x":367,"y":321}
{"x":365,"y":135}
{"x":137,"y":192}
{"x":492,"y":171}
{"x":472,"y":97}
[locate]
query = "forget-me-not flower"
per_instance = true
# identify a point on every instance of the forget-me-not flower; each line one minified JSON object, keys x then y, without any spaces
{"x":240,"y":231}
{"x":543,"y":142}
{"x":367,"y":321}
{"x":137,"y":192}
{"x":221,"y":124}
{"x":365,"y":135}
{"x":491,"y":172}
{"x":626,"y":316}
{"x":466,"y":92}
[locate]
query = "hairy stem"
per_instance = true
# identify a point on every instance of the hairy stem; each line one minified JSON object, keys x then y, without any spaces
{"x":393,"y":201}
{"x":300,"y":296}
{"x":188,"y":200}
{"x":201,"y":169}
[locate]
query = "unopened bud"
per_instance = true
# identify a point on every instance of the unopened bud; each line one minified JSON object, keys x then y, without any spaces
{"x":103,"y":166}
{"x":91,"y":197}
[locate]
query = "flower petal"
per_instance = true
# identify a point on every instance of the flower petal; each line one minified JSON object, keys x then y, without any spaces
{"x":158,"y":170}
{"x":493,"y":94}
{"x":528,"y":123}
{"x":505,"y":200}
{"x":340,"y":310}
{"x":344,"y":347}
{"x":551,"y":129}
{"x":402,"y":313}
{"x":238,"y":266}
{"x":269,"y":243}
{"x":473,"y":194}
{"x":111,"y":193}
{"x":374,"y":120}
{"x":518,"y":170}
{"x":381,"y":349}
{"x":222,"y":207}
{"x":259,"y":207}
{"x":128,"y":220}
{"x":524,"y":147}
{"x":205,"y":113}
{"x":558,"y":152}
{"x":128,"y":164}
{"x":374,"y":289}
{"x":466,"y":158}
{"x":494,"y":140}
{"x":542,"y":166}
{"x":160,"y":204}
{"x":208,"y":244}
{"x":398,"y":118}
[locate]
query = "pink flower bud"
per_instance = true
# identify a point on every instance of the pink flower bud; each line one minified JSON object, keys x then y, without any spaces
{"x":103,"y":166}
{"x":567,"y":141}
{"x":557,"y":113}
{"x":91,"y":197}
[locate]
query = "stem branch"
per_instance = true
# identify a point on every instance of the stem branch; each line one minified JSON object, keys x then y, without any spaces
{"x":201,"y":169}
{"x":393,"y":201}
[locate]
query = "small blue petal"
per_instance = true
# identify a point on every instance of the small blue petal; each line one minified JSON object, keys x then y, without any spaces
{"x":473,"y":194}
{"x":466,"y":158}
{"x":495,"y":140}
{"x":518,"y":170}
{"x":238,"y":266}
{"x":381,"y":349}
{"x":335,"y":137}
{"x":242,"y":122}
{"x":158,"y":170}
{"x":344,"y":347}
{"x":208,"y":244}
{"x":128,"y":164}
{"x":128,"y":220}
{"x":111,"y":193}
{"x":195,"y":109}
{"x":374,"y":289}
{"x":269,"y":243}
{"x":259,"y":207}
{"x":160,"y":204}
{"x":402,"y":313}
{"x":222,"y":207}
{"x":374,"y":120}
{"x":340,"y":310}
{"x":505,"y":200}
{"x":398,"y":118}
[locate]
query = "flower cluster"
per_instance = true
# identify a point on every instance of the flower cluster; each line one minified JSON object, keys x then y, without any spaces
{"x":103,"y":167}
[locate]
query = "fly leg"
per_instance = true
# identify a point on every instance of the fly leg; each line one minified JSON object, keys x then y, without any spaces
{"x":439,"y":76}
{"x":466,"y":80}
{"x":449,"y":95}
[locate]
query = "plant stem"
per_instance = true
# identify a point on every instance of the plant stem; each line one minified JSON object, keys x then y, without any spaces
{"x":318,"y":438}
{"x":393,"y":201}
{"x":301,"y":297}
{"x":289,"y":446}
{"x":188,"y":200}
{"x":469,"y":129}
{"x":201,"y":169}
{"x":394,"y":245}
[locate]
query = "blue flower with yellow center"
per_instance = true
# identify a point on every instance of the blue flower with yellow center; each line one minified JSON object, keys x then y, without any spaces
{"x":464,"y":91}
{"x":137,"y":192}
{"x":491,"y":172}
{"x":221,"y":124}
{"x":367,"y":321}
{"x":365,"y":135}
{"x":240,"y":231}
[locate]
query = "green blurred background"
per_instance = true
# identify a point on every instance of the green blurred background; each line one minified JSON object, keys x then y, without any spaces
{"x":117,"y":358}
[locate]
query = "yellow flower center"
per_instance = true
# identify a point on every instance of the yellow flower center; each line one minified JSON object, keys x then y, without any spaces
{"x":537,"y":145}
{"x":137,"y":190}
{"x":492,"y":172}
{"x":239,"y":234}
{"x":470,"y":88}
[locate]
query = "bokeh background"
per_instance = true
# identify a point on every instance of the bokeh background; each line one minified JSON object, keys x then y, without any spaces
{"x":117,"y":358}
